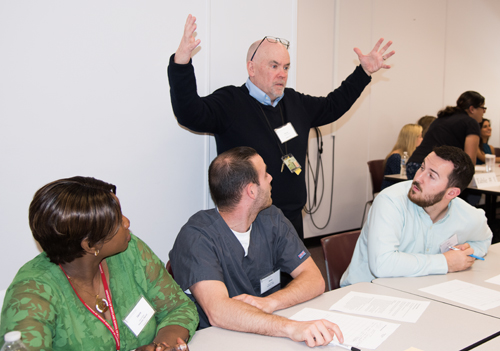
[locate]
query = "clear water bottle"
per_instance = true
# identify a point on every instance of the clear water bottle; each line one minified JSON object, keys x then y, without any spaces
{"x":404,"y":160}
{"x":13,"y":342}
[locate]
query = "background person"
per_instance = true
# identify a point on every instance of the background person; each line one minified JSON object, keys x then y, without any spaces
{"x":409,"y":138}
{"x":230,"y":257}
{"x":425,"y":122}
{"x":249,"y":115}
{"x":77,"y":293}
{"x":484,"y":147}
{"x":455,"y":126}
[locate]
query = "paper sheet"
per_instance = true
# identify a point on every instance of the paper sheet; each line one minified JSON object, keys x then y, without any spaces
{"x":357,"y":331}
{"x":381,"y":306}
{"x":494,"y":280}
{"x":465,"y":293}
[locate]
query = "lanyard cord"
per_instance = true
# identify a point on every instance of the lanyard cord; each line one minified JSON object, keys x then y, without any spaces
{"x":272,"y":130}
{"x":114,"y":331}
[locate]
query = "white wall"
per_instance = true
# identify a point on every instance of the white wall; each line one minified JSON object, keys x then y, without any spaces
{"x":443,"y":48}
{"x":83,"y":91}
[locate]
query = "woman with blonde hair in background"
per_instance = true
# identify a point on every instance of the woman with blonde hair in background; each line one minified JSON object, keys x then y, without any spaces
{"x":409,"y":138}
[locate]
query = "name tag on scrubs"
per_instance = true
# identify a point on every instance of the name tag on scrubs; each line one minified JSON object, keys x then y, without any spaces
{"x":270,"y":281}
{"x":139,"y":316}
{"x":286,"y":132}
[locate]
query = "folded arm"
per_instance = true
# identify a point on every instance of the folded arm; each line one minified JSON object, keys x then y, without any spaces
{"x":307,"y":283}
{"x":227,"y":313}
{"x":482,"y":236}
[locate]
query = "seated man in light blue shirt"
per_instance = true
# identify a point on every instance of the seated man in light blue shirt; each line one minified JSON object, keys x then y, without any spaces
{"x":413,"y":225}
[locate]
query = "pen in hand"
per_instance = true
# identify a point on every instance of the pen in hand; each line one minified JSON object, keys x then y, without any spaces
{"x":456,"y":249}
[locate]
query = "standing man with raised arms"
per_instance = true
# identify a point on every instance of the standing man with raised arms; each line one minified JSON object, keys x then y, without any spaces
{"x":263,"y":114}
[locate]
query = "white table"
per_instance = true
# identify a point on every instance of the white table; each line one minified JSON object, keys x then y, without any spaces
{"x":490,"y":345}
{"x":477,"y":274}
{"x":441,"y":327}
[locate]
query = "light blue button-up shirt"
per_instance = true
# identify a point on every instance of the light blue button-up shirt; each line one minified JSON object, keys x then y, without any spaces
{"x":400,"y":240}
{"x":260,"y":96}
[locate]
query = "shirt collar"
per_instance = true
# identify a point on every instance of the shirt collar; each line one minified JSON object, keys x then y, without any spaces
{"x":426,"y":215}
{"x":260,"y":96}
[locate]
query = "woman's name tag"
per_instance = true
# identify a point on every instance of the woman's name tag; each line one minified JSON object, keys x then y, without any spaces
{"x":139,"y":316}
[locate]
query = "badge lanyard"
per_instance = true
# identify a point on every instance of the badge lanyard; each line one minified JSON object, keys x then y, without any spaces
{"x":114,"y":331}
{"x":271,"y":128}
{"x":286,"y":158}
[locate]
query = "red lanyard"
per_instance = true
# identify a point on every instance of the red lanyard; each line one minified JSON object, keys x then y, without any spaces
{"x":114,"y":331}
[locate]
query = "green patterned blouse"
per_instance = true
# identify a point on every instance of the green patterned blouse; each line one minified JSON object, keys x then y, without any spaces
{"x":42,"y":305}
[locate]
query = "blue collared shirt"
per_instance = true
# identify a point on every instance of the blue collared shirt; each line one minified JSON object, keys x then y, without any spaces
{"x":260,"y":96}
{"x":399,"y":238}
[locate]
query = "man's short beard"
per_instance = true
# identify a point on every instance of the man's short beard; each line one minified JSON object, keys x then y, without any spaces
{"x":426,"y":202}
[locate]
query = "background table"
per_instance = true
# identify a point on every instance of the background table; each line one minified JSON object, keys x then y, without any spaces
{"x":441,"y":327}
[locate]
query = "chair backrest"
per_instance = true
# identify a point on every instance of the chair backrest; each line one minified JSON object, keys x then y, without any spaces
{"x":497,"y":152}
{"x":338,"y":250}
{"x":169,"y":269}
{"x":376,"y":168}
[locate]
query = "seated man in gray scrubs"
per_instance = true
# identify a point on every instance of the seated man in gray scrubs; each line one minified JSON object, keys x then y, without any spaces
{"x":228,"y":259}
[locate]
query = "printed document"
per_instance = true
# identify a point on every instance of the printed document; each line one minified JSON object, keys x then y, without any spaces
{"x":381,"y":306}
{"x":465,"y":293}
{"x":494,"y":280}
{"x":357,"y":331}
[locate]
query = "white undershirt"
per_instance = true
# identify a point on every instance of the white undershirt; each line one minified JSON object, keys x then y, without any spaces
{"x":243,"y":238}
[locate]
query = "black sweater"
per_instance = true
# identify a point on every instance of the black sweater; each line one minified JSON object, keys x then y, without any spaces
{"x":450,"y":130}
{"x":235,"y":119}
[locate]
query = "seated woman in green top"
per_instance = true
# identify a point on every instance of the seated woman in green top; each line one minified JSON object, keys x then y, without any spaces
{"x":96,"y":286}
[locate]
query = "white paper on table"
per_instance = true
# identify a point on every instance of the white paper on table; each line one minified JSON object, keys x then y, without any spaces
{"x":465,"y":293}
{"x":494,"y":280}
{"x":357,"y":331}
{"x":381,"y":306}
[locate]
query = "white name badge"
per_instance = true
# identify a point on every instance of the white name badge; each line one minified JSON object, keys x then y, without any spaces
{"x":286,"y":132}
{"x":270,"y":281}
{"x":485,"y":180}
{"x":445,"y":245}
{"x":139,"y":316}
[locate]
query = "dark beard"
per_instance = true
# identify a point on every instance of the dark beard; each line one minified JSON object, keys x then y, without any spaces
{"x":427,"y":202}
